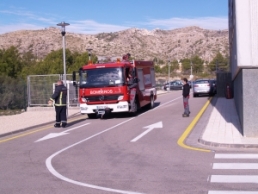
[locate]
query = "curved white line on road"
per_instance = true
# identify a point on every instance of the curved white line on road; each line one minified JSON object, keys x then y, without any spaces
{"x":56,"y":174}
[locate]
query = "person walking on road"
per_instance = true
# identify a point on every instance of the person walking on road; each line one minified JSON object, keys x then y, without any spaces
{"x":59,"y":98}
{"x":186,"y":92}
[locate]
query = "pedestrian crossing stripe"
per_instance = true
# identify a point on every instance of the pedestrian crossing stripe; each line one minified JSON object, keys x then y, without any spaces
{"x":234,"y":179}
{"x":236,"y":156}
{"x":235,"y":166}
{"x":233,"y":192}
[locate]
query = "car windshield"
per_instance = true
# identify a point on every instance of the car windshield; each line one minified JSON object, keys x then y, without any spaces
{"x":201,"y":82}
{"x":102,"y":77}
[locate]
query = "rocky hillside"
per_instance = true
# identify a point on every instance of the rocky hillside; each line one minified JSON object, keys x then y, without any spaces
{"x":141,"y":43}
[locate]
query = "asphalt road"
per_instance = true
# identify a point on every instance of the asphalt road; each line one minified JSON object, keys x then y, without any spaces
{"x":118,"y":154}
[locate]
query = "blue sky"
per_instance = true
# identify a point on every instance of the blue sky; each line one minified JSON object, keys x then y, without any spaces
{"x":97,"y":16}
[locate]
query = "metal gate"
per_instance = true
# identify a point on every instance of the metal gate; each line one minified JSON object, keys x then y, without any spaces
{"x":41,"y":88}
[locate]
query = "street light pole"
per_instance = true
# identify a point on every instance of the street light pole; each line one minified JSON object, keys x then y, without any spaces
{"x":191,"y":76}
{"x":37,"y":51}
{"x":169,"y":74}
{"x":63,"y":24}
{"x":191,"y":68}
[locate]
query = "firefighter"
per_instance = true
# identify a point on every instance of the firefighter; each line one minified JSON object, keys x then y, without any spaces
{"x":131,"y":81}
{"x":59,"y":98}
{"x":126,"y":57}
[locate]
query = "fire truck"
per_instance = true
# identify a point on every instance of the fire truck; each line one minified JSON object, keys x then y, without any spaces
{"x":104,"y":88}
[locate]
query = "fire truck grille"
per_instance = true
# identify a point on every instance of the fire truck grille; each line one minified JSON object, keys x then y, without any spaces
{"x":101,"y":98}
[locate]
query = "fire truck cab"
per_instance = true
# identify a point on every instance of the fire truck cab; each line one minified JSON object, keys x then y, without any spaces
{"x":104,"y":87}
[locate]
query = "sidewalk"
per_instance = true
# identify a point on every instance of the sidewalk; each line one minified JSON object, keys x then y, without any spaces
{"x":34,"y":116}
{"x":223,"y":128}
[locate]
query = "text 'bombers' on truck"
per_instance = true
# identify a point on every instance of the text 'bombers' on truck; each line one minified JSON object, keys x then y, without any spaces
{"x":120,"y":86}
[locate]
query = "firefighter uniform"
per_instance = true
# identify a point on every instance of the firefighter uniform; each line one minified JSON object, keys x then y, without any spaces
{"x":59,"y":97}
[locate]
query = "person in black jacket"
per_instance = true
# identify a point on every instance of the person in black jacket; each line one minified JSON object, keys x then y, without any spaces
{"x":186,"y":92}
{"x":59,"y":98}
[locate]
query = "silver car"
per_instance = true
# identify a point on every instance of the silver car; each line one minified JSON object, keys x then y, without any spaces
{"x":204,"y":86}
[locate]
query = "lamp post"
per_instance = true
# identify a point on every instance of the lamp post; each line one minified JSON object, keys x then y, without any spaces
{"x":37,"y":50}
{"x":191,"y":69}
{"x":63,"y":24}
{"x":191,"y":76}
{"x":169,"y":75}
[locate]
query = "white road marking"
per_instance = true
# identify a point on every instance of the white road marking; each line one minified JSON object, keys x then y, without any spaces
{"x":234,"y":179}
{"x":55,"y":173}
{"x":236,"y":156}
{"x":233,"y":192}
{"x":161,"y":105}
{"x":149,"y":129}
{"x":53,"y":135}
{"x":235,"y":166}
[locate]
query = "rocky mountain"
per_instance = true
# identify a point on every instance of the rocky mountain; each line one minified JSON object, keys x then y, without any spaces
{"x":141,"y":43}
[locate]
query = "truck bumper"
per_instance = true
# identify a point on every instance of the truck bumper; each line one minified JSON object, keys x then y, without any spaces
{"x":119,"y":107}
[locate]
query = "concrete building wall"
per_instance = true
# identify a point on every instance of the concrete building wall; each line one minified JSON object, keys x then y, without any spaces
{"x":243,"y":41}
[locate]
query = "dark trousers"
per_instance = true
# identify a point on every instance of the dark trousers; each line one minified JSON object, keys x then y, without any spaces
{"x":60,"y":114}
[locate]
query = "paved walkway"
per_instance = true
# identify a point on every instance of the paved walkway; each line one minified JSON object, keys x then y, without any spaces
{"x":32,"y":117}
{"x":223,"y":128}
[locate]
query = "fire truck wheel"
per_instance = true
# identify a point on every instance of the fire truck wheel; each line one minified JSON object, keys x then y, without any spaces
{"x":151,"y":105}
{"x":136,"y":107}
{"x":92,"y":116}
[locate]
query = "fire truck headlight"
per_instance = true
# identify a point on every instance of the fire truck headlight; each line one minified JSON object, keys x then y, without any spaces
{"x":120,"y":97}
{"x":84,"y":100}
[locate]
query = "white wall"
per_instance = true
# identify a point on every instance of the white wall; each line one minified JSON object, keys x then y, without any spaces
{"x":245,"y":49}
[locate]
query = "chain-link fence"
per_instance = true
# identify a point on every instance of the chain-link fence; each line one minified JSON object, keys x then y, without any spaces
{"x":41,"y":88}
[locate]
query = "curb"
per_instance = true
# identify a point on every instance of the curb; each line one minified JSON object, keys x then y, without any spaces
{"x":211,"y":144}
{"x":225,"y":145}
{"x":31,"y":127}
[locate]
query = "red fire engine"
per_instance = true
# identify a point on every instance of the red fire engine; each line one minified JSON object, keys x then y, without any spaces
{"x":104,"y":88}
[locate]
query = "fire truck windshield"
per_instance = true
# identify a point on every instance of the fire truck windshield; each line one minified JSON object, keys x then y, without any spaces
{"x":101,"y":77}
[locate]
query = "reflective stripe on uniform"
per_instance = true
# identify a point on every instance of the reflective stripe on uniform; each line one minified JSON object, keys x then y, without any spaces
{"x":60,"y":98}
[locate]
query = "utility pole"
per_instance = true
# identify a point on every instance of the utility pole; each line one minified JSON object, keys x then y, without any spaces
{"x":169,"y":74}
{"x":63,"y":24}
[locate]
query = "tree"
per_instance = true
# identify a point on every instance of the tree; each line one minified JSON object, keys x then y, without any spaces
{"x":174,"y":65}
{"x":197,"y":64}
{"x":157,"y":68}
{"x":12,"y":93}
{"x":29,"y":63}
{"x":10,"y":62}
{"x":53,"y":63}
{"x":186,"y":65}
{"x":219,"y":63}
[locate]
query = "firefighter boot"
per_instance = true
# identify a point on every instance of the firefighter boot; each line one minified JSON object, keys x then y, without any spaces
{"x":64,"y":125}
{"x":57,"y":125}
